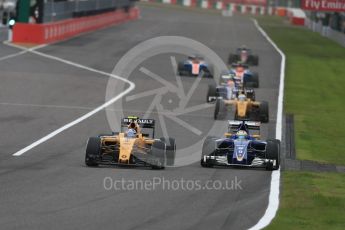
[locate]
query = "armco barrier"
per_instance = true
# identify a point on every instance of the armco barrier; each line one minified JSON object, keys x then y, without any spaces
{"x":56,"y":31}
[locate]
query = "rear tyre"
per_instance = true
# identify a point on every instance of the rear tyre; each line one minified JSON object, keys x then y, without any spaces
{"x":170,"y":150}
{"x":181,"y":69}
{"x":158,"y":153}
{"x":255,"y":60}
{"x":264,"y":112}
{"x":219,"y":110}
{"x":251,"y":81}
{"x":93,"y":151}
{"x":255,"y":80}
{"x":273,"y":153}
{"x":233,"y":58}
{"x":211,"y":92}
{"x":208,"y":72}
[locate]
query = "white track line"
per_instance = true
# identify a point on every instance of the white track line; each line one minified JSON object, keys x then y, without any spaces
{"x":273,"y":200}
{"x":13,"y":55}
{"x":46,"y":106}
{"x":24,"y":50}
{"x":7,"y":43}
{"x":82,"y":118}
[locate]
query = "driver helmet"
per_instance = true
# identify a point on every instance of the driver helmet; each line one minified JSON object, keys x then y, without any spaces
{"x":242,"y":97}
{"x":241,"y":134}
{"x":131,"y":133}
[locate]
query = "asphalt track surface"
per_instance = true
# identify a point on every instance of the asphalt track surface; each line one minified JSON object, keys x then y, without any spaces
{"x":49,"y":187}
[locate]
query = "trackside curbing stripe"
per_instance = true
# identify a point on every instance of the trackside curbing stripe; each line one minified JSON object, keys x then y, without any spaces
{"x":273,"y":200}
{"x":84,"y":117}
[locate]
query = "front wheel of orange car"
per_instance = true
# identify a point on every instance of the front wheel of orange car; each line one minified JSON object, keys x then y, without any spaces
{"x":93,"y":151}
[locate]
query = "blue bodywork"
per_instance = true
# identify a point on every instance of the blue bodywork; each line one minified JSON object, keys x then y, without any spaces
{"x":234,"y":151}
{"x":238,"y":151}
{"x":246,"y":75}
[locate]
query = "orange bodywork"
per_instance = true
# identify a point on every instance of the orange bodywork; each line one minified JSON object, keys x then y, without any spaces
{"x":242,"y":107}
{"x":126,"y":145}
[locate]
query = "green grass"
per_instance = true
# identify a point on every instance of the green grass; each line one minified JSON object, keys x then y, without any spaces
{"x":311,"y":201}
{"x":314,"y":93}
{"x":314,"y":90}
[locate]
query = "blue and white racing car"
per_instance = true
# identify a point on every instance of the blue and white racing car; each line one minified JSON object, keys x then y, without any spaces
{"x":242,"y":74}
{"x":228,"y":88}
{"x":195,"y":66}
{"x":241,"y":148}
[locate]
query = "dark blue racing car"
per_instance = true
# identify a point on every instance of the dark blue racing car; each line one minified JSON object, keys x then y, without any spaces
{"x":239,"y":147}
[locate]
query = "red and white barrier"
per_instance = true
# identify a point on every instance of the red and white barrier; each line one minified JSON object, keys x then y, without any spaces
{"x":296,"y":16}
{"x":56,"y":31}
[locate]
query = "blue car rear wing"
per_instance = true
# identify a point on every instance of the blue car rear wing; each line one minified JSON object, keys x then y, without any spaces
{"x":247,"y":126}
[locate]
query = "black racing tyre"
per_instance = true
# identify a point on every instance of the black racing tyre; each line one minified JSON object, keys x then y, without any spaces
{"x":170,"y":150}
{"x":158,"y":152}
{"x":181,"y":69}
{"x":93,"y":151}
{"x":264,"y":112}
{"x":251,"y":81}
{"x":255,"y":60}
{"x":273,"y":153}
{"x":211,"y":92}
{"x":219,"y":110}
{"x":233,"y":58}
{"x":208,"y":148}
{"x":255,"y":80}
{"x":207,"y":72}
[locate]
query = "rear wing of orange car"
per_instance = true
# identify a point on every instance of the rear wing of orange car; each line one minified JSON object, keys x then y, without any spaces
{"x":143,"y":124}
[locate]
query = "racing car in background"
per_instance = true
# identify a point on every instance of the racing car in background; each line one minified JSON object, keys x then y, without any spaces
{"x":240,"y":147}
{"x":195,"y":66}
{"x":243,"y":75}
{"x":131,"y":146}
{"x":243,"y":55}
{"x":229,"y":88}
{"x":245,"y":108}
